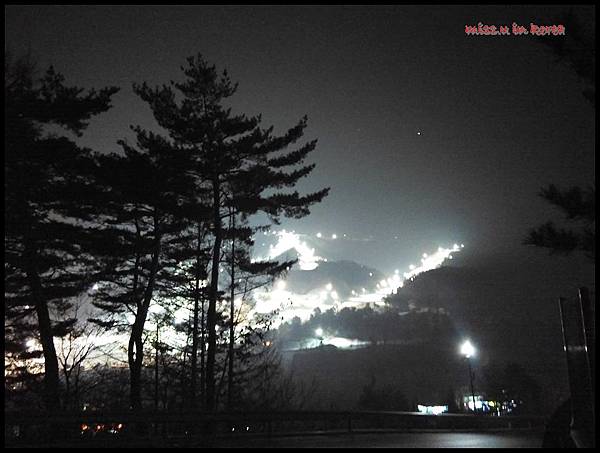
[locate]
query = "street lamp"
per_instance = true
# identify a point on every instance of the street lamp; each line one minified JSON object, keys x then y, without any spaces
{"x":319,"y":334}
{"x":468,"y":350}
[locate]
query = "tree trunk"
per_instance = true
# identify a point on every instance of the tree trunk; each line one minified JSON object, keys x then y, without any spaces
{"x":135,"y":356}
{"x":156,"y":368}
{"x":212,"y":302}
{"x":135,"y":348}
{"x":76,"y":398}
{"x":194,"y":357}
{"x":202,"y":350}
{"x":67,"y":394}
{"x":231,"y":317}
{"x":51,"y":379}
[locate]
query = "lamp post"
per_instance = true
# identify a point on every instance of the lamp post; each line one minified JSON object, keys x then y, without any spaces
{"x":468,"y":350}
{"x":319,"y":334}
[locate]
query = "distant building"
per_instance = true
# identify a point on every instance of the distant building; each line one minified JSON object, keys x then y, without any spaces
{"x":491,"y":407}
{"x":432,"y":410}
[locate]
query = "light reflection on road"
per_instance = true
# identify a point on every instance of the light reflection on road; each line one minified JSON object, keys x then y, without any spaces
{"x":513,"y":439}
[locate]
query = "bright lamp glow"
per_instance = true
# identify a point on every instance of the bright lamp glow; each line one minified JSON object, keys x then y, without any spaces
{"x":467,"y":349}
{"x":319,"y":332}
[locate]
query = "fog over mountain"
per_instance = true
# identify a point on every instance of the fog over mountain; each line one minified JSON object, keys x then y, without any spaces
{"x":345,"y":276}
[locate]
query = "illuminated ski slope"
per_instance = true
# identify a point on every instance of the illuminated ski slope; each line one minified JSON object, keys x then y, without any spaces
{"x":291,"y":304}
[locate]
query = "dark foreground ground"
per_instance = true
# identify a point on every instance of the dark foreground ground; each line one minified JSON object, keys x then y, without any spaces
{"x":521,"y":438}
{"x":506,"y":439}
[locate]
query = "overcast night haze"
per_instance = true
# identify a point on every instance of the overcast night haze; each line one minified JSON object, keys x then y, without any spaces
{"x":299,"y":226}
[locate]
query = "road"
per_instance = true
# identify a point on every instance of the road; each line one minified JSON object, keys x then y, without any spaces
{"x":506,"y":439}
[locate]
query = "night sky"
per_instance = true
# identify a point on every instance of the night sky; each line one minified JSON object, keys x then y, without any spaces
{"x":425,"y":134}
{"x":427,"y":137}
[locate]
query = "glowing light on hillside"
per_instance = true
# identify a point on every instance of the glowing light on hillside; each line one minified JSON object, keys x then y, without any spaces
{"x":344,"y":343}
{"x":319,"y":332}
{"x":334,"y":236}
{"x":432,"y":261}
{"x":156,"y":309}
{"x":325,"y":297}
{"x":286,"y":240}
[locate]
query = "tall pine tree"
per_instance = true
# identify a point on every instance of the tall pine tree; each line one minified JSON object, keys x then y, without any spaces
{"x":48,"y":199}
{"x":577,"y":50}
{"x":144,"y":200}
{"x":242,"y":167}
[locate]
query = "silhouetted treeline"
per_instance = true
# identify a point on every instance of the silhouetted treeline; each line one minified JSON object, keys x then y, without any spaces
{"x":377,"y":325}
{"x":161,"y":226}
{"x":577,"y":204}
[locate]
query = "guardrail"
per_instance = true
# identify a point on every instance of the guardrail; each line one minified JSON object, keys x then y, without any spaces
{"x":197,"y":428}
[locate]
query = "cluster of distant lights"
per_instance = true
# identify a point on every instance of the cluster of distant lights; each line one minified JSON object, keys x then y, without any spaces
{"x":308,"y":260}
{"x":303,"y":305}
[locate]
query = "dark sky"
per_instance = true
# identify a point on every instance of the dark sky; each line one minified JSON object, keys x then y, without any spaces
{"x":498,"y":116}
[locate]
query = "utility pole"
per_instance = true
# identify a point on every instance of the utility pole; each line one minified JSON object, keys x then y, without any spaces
{"x":468,"y":350}
{"x":471,"y":379}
